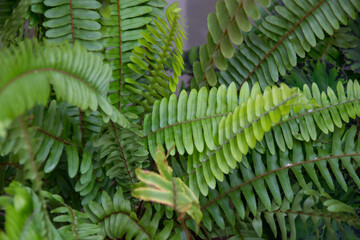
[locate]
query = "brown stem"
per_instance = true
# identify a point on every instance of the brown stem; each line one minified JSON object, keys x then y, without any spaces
{"x":12,"y":164}
{"x":52,"y":136}
{"x":222,"y":36}
{"x":282,"y":40}
{"x":274,"y":171}
{"x":74,"y":223}
{"x":122,"y":151}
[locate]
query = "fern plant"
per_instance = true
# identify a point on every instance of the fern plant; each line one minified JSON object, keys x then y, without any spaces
{"x":98,"y":141}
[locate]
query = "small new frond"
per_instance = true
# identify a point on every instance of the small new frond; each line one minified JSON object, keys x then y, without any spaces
{"x":160,"y":51}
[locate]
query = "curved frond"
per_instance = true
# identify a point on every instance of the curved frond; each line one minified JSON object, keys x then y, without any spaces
{"x":117,"y":220}
{"x":76,"y":76}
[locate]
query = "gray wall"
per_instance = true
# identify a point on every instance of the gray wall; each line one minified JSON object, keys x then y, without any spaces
{"x":195,"y":14}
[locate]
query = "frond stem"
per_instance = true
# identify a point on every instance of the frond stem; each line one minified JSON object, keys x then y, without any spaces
{"x":274,"y":171}
{"x":222,"y":37}
{"x":45,"y":70}
{"x":122,"y":151}
{"x":52,"y":136}
{"x":184,"y":122}
{"x":282,"y":40}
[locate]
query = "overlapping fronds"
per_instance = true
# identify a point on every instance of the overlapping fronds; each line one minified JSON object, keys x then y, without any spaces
{"x":25,"y":217}
{"x":283,"y":38}
{"x":209,"y":119}
{"x":163,"y":188}
{"x":77,"y":76}
{"x":6,"y":7}
{"x":117,"y":220}
{"x":315,"y":209}
{"x":13,"y":29}
{"x":217,"y":133}
{"x":123,"y":22}
{"x":77,"y":225}
{"x":225,"y":29}
{"x":323,"y":73}
{"x":74,"y":21}
{"x":266,"y":173}
{"x":330,"y":48}
{"x":122,"y":151}
{"x":160,"y":51}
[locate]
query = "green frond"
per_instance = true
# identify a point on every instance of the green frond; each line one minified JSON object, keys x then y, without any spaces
{"x":73,"y":21}
{"x":159,"y":52}
{"x":78,"y":223}
{"x":122,"y":24}
{"x":313,"y":208}
{"x":226,"y":27}
{"x":323,"y":73}
{"x":116,"y":219}
{"x":330,"y":48}
{"x":25,"y":218}
{"x":13,"y":29}
{"x":6,"y":7}
{"x":208,"y":165}
{"x":28,"y":70}
{"x":92,"y":175}
{"x":209,"y":120}
{"x":123,"y":151}
{"x":318,"y":163}
{"x":283,"y":38}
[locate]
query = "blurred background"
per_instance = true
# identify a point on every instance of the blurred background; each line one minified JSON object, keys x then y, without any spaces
{"x":195,"y":13}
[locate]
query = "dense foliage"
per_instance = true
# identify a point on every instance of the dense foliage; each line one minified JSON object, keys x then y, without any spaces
{"x":101,"y":139}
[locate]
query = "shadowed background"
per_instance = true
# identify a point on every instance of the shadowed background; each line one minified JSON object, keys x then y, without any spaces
{"x":195,"y":13}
